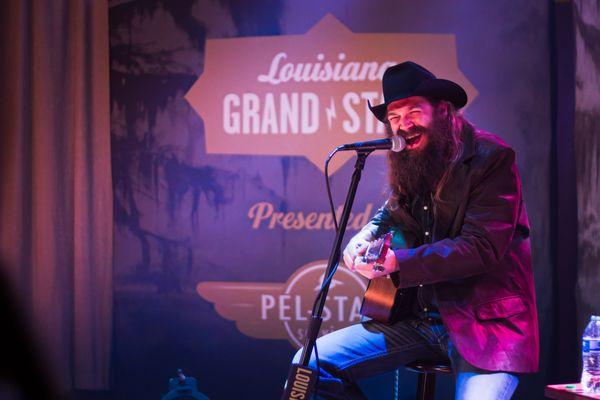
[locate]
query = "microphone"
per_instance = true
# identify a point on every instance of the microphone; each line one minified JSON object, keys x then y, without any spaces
{"x":395,"y":143}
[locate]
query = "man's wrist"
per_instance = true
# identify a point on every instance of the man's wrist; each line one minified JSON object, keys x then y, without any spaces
{"x":402,"y":255}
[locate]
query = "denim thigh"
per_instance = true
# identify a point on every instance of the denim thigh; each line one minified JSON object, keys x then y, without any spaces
{"x":372,"y":348}
{"x":473,"y":383}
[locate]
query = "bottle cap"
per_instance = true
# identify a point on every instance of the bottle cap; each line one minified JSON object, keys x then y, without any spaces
{"x":595,"y":318}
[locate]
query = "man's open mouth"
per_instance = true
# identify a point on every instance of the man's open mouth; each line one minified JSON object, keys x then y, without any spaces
{"x":413,"y":139}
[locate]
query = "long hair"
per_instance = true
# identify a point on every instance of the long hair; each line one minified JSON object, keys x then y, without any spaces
{"x":445,"y":149}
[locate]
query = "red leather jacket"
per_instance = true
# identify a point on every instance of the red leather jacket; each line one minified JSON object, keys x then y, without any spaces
{"x":480,"y":259}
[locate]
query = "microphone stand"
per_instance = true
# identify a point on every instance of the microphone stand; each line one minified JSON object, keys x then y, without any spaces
{"x":301,"y":378}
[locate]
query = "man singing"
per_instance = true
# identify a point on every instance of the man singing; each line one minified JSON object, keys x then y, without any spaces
{"x":461,"y":242}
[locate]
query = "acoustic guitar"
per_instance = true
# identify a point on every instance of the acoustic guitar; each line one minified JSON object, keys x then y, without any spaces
{"x":383,"y":301}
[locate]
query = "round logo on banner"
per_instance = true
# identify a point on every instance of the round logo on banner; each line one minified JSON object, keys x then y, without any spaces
{"x":342,"y":307}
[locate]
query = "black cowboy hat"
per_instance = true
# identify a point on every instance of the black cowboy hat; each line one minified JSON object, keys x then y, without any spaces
{"x":410,"y":79}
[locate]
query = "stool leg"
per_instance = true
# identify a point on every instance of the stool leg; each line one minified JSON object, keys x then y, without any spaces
{"x":426,"y":387}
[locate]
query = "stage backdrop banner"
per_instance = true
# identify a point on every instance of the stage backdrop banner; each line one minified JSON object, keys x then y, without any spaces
{"x":587,"y":153}
{"x":222,"y":115}
{"x":304,"y":95}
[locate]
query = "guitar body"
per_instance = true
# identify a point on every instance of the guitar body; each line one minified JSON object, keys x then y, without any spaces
{"x":384,"y":302}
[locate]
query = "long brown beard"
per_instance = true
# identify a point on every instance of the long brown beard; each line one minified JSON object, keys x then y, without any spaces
{"x":418,"y":173}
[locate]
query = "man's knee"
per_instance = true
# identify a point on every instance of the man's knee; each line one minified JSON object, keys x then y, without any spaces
{"x":297,"y":356}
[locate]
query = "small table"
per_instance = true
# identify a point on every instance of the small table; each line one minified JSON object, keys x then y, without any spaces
{"x":571,"y":391}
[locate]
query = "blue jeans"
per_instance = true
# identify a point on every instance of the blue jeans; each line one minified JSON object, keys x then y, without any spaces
{"x":371,"y":348}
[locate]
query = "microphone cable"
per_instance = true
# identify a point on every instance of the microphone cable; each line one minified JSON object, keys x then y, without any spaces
{"x":329,"y":277}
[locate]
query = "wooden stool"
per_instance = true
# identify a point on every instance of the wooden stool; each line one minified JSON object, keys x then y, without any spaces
{"x":427,"y":371}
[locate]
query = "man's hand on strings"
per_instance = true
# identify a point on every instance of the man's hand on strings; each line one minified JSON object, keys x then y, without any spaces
{"x":355,"y":248}
{"x":371,"y":270}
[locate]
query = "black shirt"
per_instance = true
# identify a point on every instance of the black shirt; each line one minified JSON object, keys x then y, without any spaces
{"x":421,"y":209}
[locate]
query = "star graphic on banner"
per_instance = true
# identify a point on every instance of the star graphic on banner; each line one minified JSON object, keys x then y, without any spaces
{"x":330,"y":112}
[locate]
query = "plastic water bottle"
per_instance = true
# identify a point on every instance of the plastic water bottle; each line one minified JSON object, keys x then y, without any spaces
{"x":590,"y":350}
